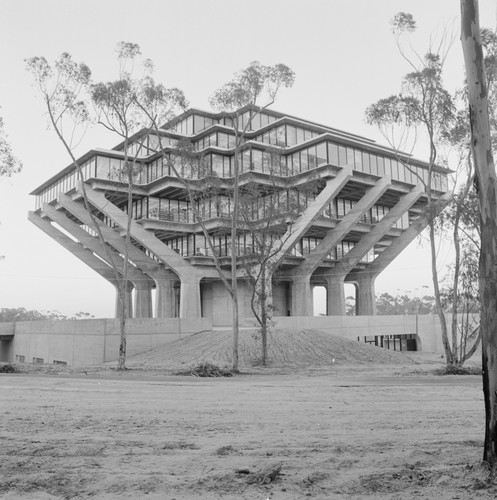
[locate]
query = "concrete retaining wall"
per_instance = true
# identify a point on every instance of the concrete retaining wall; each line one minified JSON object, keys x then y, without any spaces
{"x":427,"y":327}
{"x":90,"y":342}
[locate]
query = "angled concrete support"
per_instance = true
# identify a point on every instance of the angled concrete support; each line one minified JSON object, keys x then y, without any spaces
{"x":400,"y":243}
{"x":367,"y":242}
{"x":314,"y":210}
{"x":335,"y":296}
{"x":142,"y":283}
{"x":337,"y":234}
{"x":302,"y":303}
{"x":80,"y":252}
{"x":146,"y":238}
{"x":190,"y":303}
{"x":163,"y":278}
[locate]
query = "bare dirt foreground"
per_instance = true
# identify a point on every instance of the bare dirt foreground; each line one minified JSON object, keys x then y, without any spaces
{"x":341,"y":432}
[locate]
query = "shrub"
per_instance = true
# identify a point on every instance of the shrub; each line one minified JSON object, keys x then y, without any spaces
{"x":8,"y":368}
{"x":208,"y":370}
{"x":458,"y":370}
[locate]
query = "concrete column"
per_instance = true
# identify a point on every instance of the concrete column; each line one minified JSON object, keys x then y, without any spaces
{"x":189,"y":301}
{"x":165,"y":298}
{"x":143,"y":301}
{"x":129,"y":302}
{"x":335,"y":296}
{"x":365,"y":295}
{"x":302,"y":304}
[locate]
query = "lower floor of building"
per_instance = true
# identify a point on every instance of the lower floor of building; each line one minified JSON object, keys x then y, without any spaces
{"x":210,"y":298}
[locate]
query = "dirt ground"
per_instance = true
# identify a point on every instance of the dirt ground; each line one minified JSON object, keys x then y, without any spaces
{"x":341,"y":433}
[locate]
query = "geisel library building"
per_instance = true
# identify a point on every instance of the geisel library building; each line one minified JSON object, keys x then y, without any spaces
{"x":366,"y":207}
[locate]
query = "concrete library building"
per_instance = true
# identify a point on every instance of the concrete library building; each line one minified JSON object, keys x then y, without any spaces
{"x":366,"y":205}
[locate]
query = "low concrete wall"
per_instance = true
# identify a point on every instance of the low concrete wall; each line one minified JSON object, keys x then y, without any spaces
{"x":427,"y":327}
{"x":91,"y":342}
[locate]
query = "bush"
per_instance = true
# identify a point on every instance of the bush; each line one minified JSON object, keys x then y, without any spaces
{"x":208,"y":370}
{"x":8,"y":368}
{"x":458,"y":370}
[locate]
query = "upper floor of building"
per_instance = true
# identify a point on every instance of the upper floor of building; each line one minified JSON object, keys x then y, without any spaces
{"x":266,"y":142}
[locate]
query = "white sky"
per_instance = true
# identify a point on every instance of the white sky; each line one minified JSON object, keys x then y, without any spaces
{"x":342,"y":52}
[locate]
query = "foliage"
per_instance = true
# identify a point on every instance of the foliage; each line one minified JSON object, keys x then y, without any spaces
{"x":250,"y":91}
{"x":458,"y":370}
{"x":268,"y":214}
{"x":64,"y":87}
{"x":8,"y":368}
{"x":387,"y":304}
{"x":424,"y":105}
{"x":125,"y":106}
{"x":207,"y":369}
{"x":8,"y":315}
{"x":122,"y":106}
{"x":253,"y":83}
{"x":9,"y":164}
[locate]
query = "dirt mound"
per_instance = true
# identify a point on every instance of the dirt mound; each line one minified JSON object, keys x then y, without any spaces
{"x":287,"y":348}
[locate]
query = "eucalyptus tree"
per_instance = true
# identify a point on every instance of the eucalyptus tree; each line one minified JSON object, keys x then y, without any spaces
{"x":255,"y":87}
{"x":425,"y":107}
{"x":64,"y":88}
{"x":9,"y":164}
{"x":267,"y":215}
{"x":240,"y":101}
{"x":126,"y":106}
{"x":123,"y":107}
{"x":486,"y":182}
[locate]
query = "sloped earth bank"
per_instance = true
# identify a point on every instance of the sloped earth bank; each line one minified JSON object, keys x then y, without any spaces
{"x":289,"y":350}
{"x":337,"y":436}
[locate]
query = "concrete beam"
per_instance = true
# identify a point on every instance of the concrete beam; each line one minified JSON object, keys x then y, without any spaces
{"x":77,"y":249}
{"x":311,"y":213}
{"x":147,"y":239}
{"x":108,"y":255}
{"x":354,"y":256}
{"x":337,"y":234}
{"x":164,"y":278}
{"x":113,"y":238}
{"x":400,"y":243}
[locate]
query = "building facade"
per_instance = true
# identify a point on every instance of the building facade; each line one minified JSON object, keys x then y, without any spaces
{"x":359,"y":205}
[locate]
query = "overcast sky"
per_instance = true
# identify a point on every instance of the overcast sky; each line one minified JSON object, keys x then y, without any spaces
{"x":342,"y":52}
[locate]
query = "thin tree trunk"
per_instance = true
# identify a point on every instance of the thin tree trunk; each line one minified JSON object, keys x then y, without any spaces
{"x":121,"y":365}
{"x":486,"y":181}
{"x":436,"y":288}
{"x":234,"y":225}
{"x":264,"y":316}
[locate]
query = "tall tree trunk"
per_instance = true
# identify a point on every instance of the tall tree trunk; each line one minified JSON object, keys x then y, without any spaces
{"x":486,"y":181}
{"x":436,"y":288}
{"x":234,"y":253}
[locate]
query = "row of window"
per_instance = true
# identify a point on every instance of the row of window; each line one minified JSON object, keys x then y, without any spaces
{"x":196,"y":245}
{"x":194,"y":124}
{"x":340,"y":207}
{"x":252,"y":159}
{"x":150,"y":144}
{"x":283,"y":202}
{"x":282,"y":136}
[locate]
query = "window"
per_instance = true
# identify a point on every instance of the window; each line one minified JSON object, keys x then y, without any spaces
{"x":291,"y":134}
{"x":321,"y":154}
